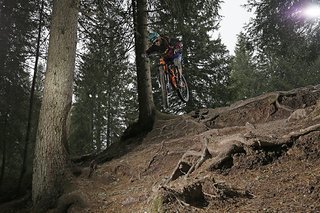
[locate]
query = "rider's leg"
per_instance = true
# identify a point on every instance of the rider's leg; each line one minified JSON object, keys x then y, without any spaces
{"x":177,"y":62}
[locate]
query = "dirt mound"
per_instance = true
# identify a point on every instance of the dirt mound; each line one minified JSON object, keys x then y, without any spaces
{"x":260,"y":154}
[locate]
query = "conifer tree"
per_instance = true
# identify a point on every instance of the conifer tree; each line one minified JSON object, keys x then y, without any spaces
{"x":284,"y":42}
{"x":50,"y":162}
{"x":245,"y":80}
{"x":16,"y":41}
{"x":105,"y":81}
{"x":144,"y":84}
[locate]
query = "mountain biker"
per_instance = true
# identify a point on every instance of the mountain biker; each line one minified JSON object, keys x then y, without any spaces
{"x":169,"y":48}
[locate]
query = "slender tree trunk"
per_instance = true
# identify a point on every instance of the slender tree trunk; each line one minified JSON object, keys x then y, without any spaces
{"x":26,"y":146}
{"x":98,"y":125}
{"x":109,"y":120}
{"x":3,"y":161}
{"x":4,"y":149}
{"x":110,"y":72}
{"x":145,"y":98}
{"x":50,"y":161}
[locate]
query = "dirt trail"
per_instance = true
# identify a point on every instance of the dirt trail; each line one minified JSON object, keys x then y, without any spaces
{"x":258,"y":155}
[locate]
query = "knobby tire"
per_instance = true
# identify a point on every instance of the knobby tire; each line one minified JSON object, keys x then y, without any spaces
{"x":183,"y":92}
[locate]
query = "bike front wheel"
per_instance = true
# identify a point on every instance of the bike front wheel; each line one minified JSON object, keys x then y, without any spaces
{"x":183,"y":89}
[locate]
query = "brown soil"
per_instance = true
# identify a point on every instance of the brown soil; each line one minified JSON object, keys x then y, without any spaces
{"x":258,"y":155}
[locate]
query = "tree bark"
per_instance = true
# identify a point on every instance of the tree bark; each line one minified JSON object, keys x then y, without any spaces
{"x":50,"y":161}
{"x":145,"y":98}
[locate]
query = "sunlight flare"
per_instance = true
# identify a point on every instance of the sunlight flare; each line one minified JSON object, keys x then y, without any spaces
{"x":312,"y":11}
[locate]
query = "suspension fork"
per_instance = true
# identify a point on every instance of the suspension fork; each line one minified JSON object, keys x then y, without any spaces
{"x":169,"y":72}
{"x":162,"y":72}
{"x":163,"y":64}
{"x":163,"y":67}
{"x":172,"y":77}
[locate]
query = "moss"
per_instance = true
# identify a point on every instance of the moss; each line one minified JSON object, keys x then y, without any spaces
{"x":157,"y":205}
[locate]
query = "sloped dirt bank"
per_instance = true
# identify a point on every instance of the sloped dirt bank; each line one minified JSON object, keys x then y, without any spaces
{"x":257,"y":155}
{"x":263,"y":155}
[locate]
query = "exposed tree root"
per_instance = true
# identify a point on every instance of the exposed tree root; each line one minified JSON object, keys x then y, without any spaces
{"x":223,"y":159}
{"x":271,"y":106}
{"x":93,"y":167}
{"x":199,"y":193}
{"x":280,"y":106}
{"x":155,"y":156}
{"x":223,"y":191}
{"x":71,"y":200}
{"x":204,"y":156}
{"x":190,"y":161}
{"x":190,"y":195}
{"x":221,"y":152}
{"x":294,"y":135}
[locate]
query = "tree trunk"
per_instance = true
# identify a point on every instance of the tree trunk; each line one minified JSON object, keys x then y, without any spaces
{"x":98,"y":124}
{"x":4,"y":150}
{"x":145,"y":98}
{"x":109,"y":116}
{"x":50,"y":151}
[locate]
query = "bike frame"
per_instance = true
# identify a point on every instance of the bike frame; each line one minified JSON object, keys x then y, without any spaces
{"x":169,"y":71}
{"x":169,"y":76}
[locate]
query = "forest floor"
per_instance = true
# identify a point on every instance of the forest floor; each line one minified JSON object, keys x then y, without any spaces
{"x":257,"y":155}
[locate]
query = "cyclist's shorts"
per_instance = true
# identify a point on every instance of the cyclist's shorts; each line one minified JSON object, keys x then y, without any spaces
{"x":177,"y":56}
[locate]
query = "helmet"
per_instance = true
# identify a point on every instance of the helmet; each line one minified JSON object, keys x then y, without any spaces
{"x":153,"y":36}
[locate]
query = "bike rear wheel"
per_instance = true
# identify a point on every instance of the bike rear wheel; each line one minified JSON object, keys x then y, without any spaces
{"x":183,"y":89}
{"x":164,"y":90}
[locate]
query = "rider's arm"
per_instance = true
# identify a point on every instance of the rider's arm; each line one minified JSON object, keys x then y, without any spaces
{"x":152,"y":49}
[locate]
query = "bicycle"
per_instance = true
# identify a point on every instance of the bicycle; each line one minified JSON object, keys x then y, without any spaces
{"x":170,"y":80}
